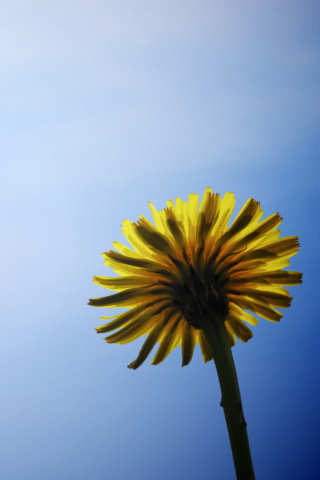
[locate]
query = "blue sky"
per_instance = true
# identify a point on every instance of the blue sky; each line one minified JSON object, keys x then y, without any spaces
{"x":104,"y":107}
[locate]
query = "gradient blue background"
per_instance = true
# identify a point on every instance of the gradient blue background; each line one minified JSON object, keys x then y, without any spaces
{"x":105,"y":106}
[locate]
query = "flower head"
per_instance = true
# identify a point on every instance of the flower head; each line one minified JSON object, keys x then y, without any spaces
{"x":192,"y":263}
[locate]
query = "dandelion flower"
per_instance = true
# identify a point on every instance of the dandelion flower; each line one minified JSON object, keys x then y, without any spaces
{"x":191,"y":278}
{"x":190,"y":264}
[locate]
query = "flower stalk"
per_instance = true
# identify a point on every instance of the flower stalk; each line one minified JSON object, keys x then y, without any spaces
{"x":214,"y":329}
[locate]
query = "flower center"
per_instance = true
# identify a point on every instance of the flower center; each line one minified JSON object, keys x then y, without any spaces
{"x":199,"y":294}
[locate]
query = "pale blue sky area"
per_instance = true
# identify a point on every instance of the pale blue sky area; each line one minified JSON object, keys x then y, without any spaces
{"x":104,"y":107}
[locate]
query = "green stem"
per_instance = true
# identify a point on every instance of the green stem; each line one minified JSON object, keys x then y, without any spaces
{"x":215,"y":332}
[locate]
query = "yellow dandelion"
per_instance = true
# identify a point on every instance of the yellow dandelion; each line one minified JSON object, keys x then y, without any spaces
{"x":192,"y":263}
{"x":192,"y":279}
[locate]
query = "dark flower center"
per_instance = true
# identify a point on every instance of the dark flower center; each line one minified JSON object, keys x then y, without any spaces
{"x":199,"y":294}
{"x":199,"y":300}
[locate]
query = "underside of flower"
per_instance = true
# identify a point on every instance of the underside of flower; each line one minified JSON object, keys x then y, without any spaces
{"x":190,"y":264}
{"x":201,"y":293}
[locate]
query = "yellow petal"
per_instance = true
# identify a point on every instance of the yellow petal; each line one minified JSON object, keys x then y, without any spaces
{"x":239,"y":328}
{"x":121,"y":283}
{"x":251,"y":319}
{"x":178,"y":208}
{"x":273,"y":298}
{"x":208,"y":216}
{"x":239,"y":313}
{"x":133,"y":330}
{"x":255,"y":266}
{"x":286,"y":278}
{"x":193,"y":204}
{"x":158,"y":218}
{"x":122,"y":319}
{"x":148,"y":345}
{"x":126,"y":251}
{"x":113,"y":259}
{"x":168,"y":342}
{"x":129,"y":230}
{"x":205,"y":349}
{"x":226,"y":209}
{"x":260,"y":308}
{"x":284,"y":246}
{"x":231,"y":336}
{"x":255,"y":235}
{"x":155,"y":240}
{"x":283,"y":277}
{"x":250,"y":212}
{"x":120,"y":299}
{"x":187,"y":344}
{"x":176,"y":233}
